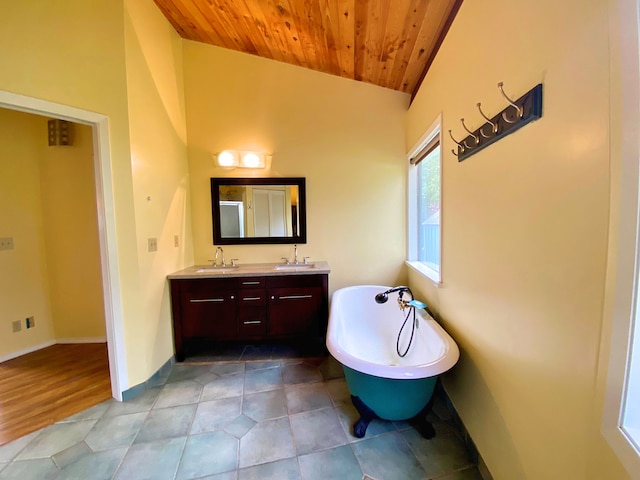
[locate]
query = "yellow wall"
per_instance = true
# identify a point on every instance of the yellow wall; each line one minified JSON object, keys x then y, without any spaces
{"x":344,"y":137}
{"x":24,"y":284}
{"x":71,"y":235}
{"x":525,"y":226}
{"x":74,"y":53}
{"x":51,"y":188}
{"x":160,"y":178}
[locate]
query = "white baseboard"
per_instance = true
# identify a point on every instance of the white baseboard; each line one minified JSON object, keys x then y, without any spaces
{"x":40,"y":346}
{"x":24,"y":351}
{"x":82,"y":340}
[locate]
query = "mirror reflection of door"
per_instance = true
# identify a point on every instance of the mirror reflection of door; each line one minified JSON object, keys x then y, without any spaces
{"x":232,"y":219}
{"x":270,"y":212}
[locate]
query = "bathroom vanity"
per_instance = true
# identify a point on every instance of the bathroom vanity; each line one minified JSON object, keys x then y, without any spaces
{"x":249,"y":303}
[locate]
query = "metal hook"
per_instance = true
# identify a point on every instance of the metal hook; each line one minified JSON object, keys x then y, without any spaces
{"x":494,"y":126}
{"x":462,"y":147}
{"x":476,"y":139}
{"x":519,"y":110}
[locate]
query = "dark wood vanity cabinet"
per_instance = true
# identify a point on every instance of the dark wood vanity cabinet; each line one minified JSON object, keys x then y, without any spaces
{"x":248,"y":308}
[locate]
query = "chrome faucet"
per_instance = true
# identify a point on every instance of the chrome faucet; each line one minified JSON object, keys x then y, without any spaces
{"x":295,"y":254}
{"x":215,"y":261}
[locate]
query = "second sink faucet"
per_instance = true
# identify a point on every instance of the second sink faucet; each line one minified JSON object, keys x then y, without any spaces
{"x":215,"y":261}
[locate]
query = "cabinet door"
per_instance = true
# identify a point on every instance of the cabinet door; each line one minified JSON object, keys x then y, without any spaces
{"x":209,"y":313}
{"x":294,"y":311}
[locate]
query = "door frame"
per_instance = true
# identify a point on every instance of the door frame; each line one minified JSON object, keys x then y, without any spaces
{"x":106,"y":221}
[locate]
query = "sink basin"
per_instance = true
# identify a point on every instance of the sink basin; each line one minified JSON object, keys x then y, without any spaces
{"x":293,"y":266}
{"x":216,"y":270}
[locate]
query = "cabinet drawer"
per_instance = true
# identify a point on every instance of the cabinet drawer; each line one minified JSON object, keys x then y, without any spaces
{"x":252,"y":321}
{"x":252,"y":298}
{"x":296,"y":281}
{"x":250,"y":282}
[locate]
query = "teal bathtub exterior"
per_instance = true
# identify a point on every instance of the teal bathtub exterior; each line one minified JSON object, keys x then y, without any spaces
{"x":390,"y":398}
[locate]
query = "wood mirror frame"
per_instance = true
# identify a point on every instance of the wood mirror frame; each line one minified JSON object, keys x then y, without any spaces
{"x":294,"y":217}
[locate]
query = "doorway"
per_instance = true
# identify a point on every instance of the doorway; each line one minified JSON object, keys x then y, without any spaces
{"x":106,"y":221}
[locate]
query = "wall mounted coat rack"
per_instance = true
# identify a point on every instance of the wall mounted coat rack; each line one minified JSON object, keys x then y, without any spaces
{"x":517,"y":114}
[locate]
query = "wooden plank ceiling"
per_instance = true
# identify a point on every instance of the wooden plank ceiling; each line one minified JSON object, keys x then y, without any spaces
{"x":390,"y":43}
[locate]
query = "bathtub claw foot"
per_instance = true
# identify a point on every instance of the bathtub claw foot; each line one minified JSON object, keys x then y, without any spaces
{"x":424,"y":428}
{"x":366,"y":415}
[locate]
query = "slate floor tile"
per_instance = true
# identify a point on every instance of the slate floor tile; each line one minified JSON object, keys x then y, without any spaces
{"x":56,"y":438}
{"x":208,"y":454}
{"x":339,"y":463}
{"x":307,"y":397}
{"x":280,"y":470}
{"x":41,"y":468}
{"x":152,"y":461}
{"x":267,"y":442}
{"x":166,"y":423}
{"x":216,"y":414}
{"x":294,"y":373}
{"x":96,"y":466}
{"x":388,"y":457}
{"x":231,"y":368}
{"x":179,"y":393}
{"x":265,"y":405}
{"x":262,"y":380}
{"x":223,"y":387}
{"x":113,"y":432}
{"x":441,"y":454}
{"x":317,"y":430}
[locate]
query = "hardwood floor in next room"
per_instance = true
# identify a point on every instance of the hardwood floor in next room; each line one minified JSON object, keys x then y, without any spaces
{"x":43,"y":387}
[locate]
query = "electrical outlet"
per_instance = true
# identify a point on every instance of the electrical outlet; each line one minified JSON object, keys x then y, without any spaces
{"x":153,"y":244}
{"x":30,"y":322}
{"x":176,"y":241}
{"x":6,"y":243}
{"x":17,"y":326}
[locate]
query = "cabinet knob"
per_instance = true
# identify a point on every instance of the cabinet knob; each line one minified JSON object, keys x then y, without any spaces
{"x":272,"y":297}
{"x":233,"y":297}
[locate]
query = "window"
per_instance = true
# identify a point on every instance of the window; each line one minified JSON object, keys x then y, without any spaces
{"x":424,"y":204}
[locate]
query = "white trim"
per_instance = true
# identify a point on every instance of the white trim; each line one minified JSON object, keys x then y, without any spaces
{"x":412,"y":206}
{"x":624,"y":27}
{"x":76,"y":340}
{"x":106,"y":222}
{"x":425,"y":271}
{"x":25,"y":351}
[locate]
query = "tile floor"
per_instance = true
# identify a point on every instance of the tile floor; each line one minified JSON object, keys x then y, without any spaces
{"x":254,"y":418}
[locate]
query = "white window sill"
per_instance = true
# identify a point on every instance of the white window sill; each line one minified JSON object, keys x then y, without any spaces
{"x":425,"y":271}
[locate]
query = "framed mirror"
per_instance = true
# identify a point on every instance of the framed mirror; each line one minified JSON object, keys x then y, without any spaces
{"x":251,"y":211}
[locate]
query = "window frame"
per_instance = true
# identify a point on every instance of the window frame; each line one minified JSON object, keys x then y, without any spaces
{"x":624,"y":260}
{"x":434,"y":132}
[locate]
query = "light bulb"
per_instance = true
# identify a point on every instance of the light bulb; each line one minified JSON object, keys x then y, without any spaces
{"x":251,"y":160}
{"x":226,"y":159}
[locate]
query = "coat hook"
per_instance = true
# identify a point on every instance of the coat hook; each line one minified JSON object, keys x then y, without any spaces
{"x":519,"y":110}
{"x":476,"y":138}
{"x":462,"y":147}
{"x":494,"y":126}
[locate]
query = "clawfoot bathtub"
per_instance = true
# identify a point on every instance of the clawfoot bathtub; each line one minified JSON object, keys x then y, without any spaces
{"x":362,"y":336}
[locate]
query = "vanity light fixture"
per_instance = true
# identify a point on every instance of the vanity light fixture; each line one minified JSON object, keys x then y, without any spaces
{"x":243,"y":159}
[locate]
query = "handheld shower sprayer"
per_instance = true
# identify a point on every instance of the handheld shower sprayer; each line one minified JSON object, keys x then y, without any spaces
{"x":412,"y":304}
{"x":384,"y":296}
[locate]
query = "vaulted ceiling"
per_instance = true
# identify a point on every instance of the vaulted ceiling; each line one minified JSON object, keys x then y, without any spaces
{"x":390,"y":43}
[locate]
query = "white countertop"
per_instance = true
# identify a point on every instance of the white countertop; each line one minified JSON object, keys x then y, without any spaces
{"x":251,"y":270}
